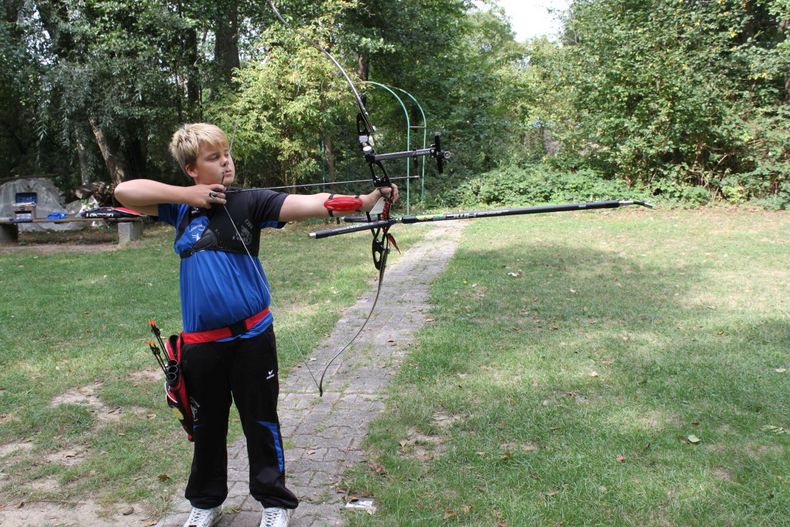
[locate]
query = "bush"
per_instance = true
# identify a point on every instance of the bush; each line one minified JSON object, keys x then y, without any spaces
{"x":778,"y":201}
{"x":515,"y":186}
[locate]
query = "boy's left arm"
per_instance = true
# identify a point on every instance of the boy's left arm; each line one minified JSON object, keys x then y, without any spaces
{"x":299,"y":207}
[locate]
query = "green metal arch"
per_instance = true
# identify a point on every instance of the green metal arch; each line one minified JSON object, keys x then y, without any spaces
{"x":424,"y":126}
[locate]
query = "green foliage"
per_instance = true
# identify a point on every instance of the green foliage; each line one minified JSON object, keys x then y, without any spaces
{"x":283,"y":103}
{"x":681,"y":93}
{"x":671,"y":95}
{"x":540,"y":184}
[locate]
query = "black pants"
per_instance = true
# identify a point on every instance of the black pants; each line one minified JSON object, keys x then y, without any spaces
{"x":245,"y":371}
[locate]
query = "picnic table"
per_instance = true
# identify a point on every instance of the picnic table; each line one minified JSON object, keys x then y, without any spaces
{"x":129,"y":229}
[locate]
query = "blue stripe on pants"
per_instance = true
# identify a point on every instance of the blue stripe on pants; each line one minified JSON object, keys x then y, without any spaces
{"x":275,"y":430}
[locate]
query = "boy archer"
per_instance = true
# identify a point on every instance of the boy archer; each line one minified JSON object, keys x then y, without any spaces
{"x":229,"y":352}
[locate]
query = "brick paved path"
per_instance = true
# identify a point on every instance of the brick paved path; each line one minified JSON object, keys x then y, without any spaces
{"x":323,"y":436}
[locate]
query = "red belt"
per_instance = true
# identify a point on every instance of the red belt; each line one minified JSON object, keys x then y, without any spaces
{"x":242,"y":326}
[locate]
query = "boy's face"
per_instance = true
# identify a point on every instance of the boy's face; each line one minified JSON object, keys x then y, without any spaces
{"x":213,"y":165}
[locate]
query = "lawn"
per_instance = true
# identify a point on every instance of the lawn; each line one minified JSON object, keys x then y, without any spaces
{"x":627,"y":367}
{"x":82,"y":410}
{"x":616,"y":368}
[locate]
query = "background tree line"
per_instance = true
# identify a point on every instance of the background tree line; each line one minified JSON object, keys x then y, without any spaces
{"x":683,"y":99}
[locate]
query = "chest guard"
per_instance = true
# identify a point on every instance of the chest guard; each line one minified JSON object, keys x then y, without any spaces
{"x":220,"y":234}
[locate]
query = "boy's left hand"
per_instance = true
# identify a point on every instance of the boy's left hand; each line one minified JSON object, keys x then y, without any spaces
{"x":391,"y":192}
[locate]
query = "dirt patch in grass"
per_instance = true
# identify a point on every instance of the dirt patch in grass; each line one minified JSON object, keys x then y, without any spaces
{"x":760,"y":451}
{"x":17,"y":446}
{"x":722,"y":474}
{"x":423,"y":447}
{"x":444,"y":420}
{"x":63,"y":513}
{"x":145,"y":376}
{"x":60,"y":248}
{"x":87,"y":396}
{"x":83,"y":396}
{"x":68,"y":457}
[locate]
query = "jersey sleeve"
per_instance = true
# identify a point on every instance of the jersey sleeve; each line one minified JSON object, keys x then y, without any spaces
{"x":168,"y":213}
{"x":265,"y":208}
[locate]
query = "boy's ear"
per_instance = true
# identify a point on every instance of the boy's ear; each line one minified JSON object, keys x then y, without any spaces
{"x":191,"y":171}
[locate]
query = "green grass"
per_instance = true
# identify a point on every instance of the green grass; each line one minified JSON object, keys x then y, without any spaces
{"x":569,"y":364}
{"x":73,"y":320}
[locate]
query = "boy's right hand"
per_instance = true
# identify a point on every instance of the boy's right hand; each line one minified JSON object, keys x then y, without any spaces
{"x":205,"y":196}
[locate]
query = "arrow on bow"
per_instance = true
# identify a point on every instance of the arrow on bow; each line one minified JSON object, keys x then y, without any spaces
{"x":382,"y":239}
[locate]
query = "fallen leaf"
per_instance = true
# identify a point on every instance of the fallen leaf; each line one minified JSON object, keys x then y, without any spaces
{"x":514,"y":275}
{"x":692,"y":439}
{"x":774,"y":429}
{"x":449,"y":515}
{"x":127,"y":511}
{"x":780,"y":370}
{"x":163,"y":477}
{"x":378,"y":468}
{"x":594,"y":374}
{"x":621,"y":458}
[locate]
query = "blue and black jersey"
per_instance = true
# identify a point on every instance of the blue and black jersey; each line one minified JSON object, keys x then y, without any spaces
{"x":220,"y":284}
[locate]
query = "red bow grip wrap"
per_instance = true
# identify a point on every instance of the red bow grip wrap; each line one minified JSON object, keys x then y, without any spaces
{"x":343,"y":204}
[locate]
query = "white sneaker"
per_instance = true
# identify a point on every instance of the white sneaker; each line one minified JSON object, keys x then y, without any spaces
{"x":204,"y":517}
{"x":275,"y":517}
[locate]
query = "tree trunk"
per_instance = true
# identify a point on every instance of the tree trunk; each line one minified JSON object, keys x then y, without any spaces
{"x":83,"y":157}
{"x":192,"y":74}
{"x":363,"y":66}
{"x":226,"y":45}
{"x":109,"y":152}
{"x":329,"y":156}
{"x":11,"y":10}
{"x":135,"y":150}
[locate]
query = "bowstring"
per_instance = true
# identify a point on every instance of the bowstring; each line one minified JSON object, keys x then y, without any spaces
{"x":258,"y":266}
{"x":266,"y":287}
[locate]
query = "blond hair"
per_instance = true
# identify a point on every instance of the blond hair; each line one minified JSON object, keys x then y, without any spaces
{"x":186,"y":141}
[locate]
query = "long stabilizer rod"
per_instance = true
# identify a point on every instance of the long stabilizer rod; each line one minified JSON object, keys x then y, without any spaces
{"x":364,"y":224}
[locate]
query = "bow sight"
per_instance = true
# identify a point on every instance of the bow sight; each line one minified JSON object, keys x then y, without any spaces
{"x":435,"y":151}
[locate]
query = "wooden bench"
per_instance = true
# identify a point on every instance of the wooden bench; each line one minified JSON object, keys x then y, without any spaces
{"x":129,"y":229}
